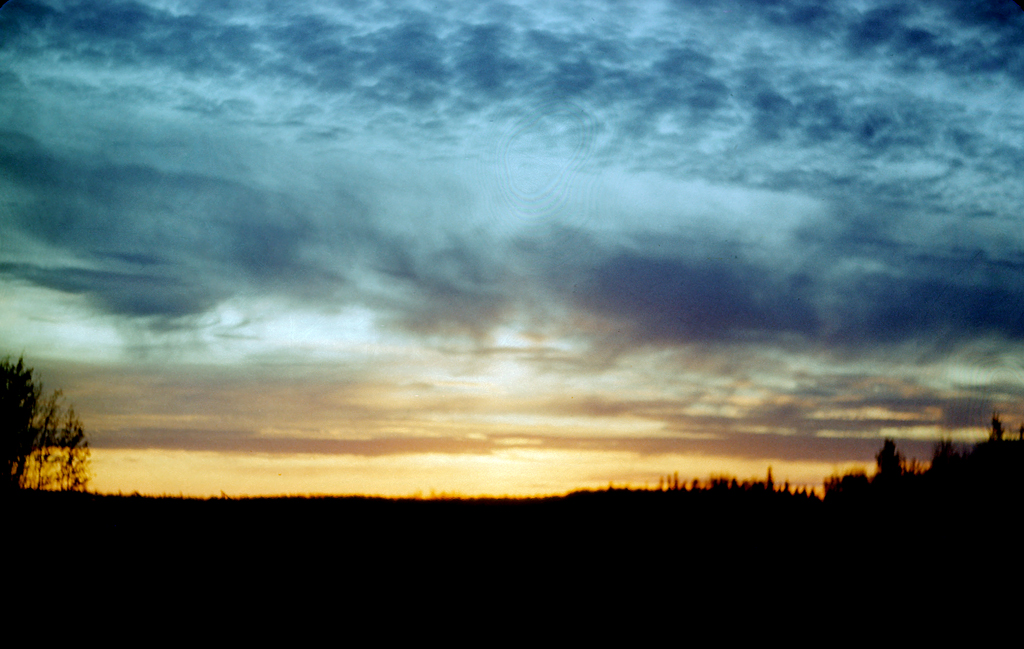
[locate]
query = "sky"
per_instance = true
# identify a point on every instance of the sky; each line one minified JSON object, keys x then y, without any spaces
{"x":492,"y":247}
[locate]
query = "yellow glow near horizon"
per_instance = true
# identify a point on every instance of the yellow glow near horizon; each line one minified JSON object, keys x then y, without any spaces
{"x":497,"y":425}
{"x":506,"y":472}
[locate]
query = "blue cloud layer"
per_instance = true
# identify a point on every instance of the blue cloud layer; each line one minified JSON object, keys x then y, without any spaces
{"x":871,"y":113}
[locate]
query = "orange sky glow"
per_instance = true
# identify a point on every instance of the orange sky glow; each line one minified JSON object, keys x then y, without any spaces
{"x":511,"y":246}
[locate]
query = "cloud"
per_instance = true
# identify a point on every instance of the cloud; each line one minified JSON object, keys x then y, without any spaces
{"x":768,"y":229}
{"x":839,"y":291}
{"x":454,"y":289}
{"x":693,"y":299}
{"x":139,"y":294}
{"x":194,"y":439}
{"x":145,"y":242}
{"x":149,"y":243}
{"x":131,"y":34}
{"x":486,"y":62}
{"x":916,"y":235}
{"x":915,"y":40}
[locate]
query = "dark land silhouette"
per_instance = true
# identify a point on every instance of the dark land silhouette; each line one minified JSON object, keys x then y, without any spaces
{"x":700,"y":534}
{"x":967,"y":497}
{"x":620,"y":555}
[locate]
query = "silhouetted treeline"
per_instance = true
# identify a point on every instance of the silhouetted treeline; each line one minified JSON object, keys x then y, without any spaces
{"x":976,"y":478}
{"x":698,"y":534}
{"x":987,"y":473}
{"x":969,"y":496}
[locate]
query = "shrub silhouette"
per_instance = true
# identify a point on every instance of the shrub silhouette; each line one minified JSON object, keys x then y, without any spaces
{"x":44,"y":444}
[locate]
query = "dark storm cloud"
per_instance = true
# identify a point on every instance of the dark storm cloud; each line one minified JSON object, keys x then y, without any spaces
{"x":694,"y":299}
{"x":884,"y":307}
{"x":666,"y":292}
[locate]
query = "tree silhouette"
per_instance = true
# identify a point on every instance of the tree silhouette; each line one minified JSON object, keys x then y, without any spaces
{"x":891,"y":463}
{"x":44,"y":443}
{"x":997,"y":428}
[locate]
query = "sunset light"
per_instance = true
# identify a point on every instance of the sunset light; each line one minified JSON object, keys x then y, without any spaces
{"x":511,"y":247}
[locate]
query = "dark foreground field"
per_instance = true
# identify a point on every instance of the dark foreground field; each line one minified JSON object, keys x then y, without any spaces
{"x":614,"y":557}
{"x":946,"y":535}
{"x":729,"y":528}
